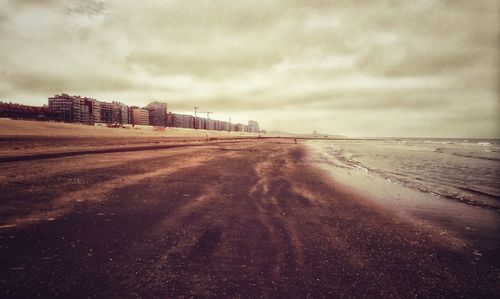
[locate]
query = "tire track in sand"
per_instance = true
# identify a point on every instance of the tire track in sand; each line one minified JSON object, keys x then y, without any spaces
{"x":268,"y":198}
{"x":65,"y":203}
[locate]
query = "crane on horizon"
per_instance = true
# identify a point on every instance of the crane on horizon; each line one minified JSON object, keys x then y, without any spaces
{"x":208,"y":113}
{"x":196,"y":112}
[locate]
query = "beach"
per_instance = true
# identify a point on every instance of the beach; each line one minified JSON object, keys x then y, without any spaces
{"x":120,"y":216}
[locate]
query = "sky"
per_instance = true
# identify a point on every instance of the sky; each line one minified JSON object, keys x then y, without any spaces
{"x":355,"y":68}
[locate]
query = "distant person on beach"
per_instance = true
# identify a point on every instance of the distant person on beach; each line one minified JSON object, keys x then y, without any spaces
{"x":295,"y":140}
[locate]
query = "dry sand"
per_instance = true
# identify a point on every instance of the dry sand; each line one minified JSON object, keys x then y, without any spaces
{"x":10,"y":127}
{"x":19,"y":138}
{"x":231,"y":218}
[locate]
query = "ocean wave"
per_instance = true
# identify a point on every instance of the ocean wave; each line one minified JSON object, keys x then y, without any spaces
{"x":468,"y":195}
{"x":437,"y":142}
{"x":480,"y":192}
{"x":484,"y":143}
{"x":446,"y":171}
{"x":476,"y":157}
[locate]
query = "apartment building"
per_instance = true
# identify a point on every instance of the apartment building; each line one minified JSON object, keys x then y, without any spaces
{"x":106,"y":112}
{"x":96,"y":110}
{"x":120,"y":113}
{"x":72,"y":108}
{"x":18,"y":111}
{"x":157,"y":113}
{"x":139,"y":116}
{"x":253,"y":126}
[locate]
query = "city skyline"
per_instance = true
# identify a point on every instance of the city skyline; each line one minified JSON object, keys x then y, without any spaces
{"x":195,"y":113}
{"x":39,"y":103}
{"x":90,"y":111}
{"x":412,"y":69}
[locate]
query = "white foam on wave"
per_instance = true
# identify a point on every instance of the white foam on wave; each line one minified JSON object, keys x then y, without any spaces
{"x":484,"y":143}
{"x":420,"y":167}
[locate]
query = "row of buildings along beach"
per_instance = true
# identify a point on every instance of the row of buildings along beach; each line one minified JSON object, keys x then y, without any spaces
{"x":86,"y":110}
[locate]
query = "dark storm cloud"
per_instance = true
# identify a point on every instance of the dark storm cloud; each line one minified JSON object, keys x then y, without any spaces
{"x":85,"y":7}
{"x":20,"y":3}
{"x":49,"y":83}
{"x":211,"y":62}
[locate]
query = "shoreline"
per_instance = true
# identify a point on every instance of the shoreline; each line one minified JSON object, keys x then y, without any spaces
{"x":476,"y":223}
{"x":458,"y":190}
{"x":243,"y":218}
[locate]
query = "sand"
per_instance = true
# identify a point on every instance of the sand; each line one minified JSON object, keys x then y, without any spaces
{"x":225,"y":218}
{"x":10,"y":127}
{"x":20,"y":138}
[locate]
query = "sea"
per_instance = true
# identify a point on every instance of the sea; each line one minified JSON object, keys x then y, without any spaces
{"x":463,"y":170}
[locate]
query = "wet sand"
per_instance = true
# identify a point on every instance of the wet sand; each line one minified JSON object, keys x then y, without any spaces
{"x":230,"y":218}
{"x":478,"y":225}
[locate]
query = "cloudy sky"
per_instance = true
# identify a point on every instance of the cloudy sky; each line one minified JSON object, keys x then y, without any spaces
{"x":358,"y":68}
